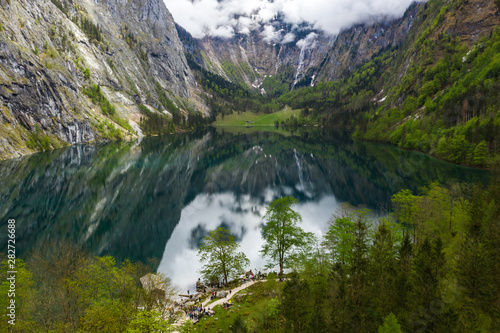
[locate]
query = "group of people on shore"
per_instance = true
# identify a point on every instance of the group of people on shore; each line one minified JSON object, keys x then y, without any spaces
{"x":197,"y":312}
{"x":227,"y":305}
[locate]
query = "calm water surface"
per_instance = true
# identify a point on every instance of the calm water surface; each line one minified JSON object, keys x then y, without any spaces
{"x":159,"y":197}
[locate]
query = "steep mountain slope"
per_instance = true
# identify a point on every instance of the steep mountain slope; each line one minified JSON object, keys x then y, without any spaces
{"x":437,"y":92}
{"x":74,"y":71}
{"x":355,"y":46}
{"x":442,"y":94}
{"x":250,"y":58}
{"x":305,"y":57}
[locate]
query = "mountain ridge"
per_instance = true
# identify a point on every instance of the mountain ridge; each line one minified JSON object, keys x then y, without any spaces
{"x":314,"y":55}
{"x":79,"y":71}
{"x":75,"y":71}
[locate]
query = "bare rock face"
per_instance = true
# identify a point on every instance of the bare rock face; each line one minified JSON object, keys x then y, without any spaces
{"x":313,"y":56}
{"x":152,"y":26}
{"x":355,"y":46}
{"x":39,"y":100}
{"x":51,"y":50}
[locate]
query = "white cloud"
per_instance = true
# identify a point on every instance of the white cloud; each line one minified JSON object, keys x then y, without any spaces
{"x":270,"y":35}
{"x":309,"y":42}
{"x":224,"y":31}
{"x":247,"y":24}
{"x":224,"y":18}
{"x":289,"y":38}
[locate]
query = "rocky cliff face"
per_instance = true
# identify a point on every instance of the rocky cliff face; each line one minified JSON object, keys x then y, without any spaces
{"x":51,"y":50}
{"x":310,"y":57}
{"x":355,"y":46}
{"x":249,"y":58}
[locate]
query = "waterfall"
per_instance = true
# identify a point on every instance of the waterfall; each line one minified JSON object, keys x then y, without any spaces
{"x":278,"y":61}
{"x":305,"y":44}
{"x":301,"y":65}
{"x":301,"y":177}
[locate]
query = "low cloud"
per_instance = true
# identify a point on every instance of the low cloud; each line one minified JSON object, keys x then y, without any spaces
{"x":289,"y":38}
{"x":309,"y":42}
{"x":270,"y":34}
{"x":224,"y":18}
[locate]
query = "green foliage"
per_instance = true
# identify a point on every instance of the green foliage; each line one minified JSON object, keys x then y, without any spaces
{"x":40,"y":141}
{"x":108,"y":130}
{"x":111,"y":63}
{"x":85,"y":70}
{"x":239,"y":325}
{"x":294,"y":306}
{"x":122,"y":122}
{"x":404,"y":206}
{"x":155,"y":123}
{"x":480,"y":153}
{"x":169,"y":105}
{"x":225,"y":96}
{"x":63,"y":289}
{"x":134,"y":44}
{"x":90,"y":29}
{"x":94,"y":92}
{"x":339,"y":240}
{"x":282,"y":237}
{"x":61,"y":6}
{"x":259,"y":312}
{"x":366,"y":278}
{"x":148,"y":321}
{"x":338,"y":103}
{"x":218,"y":253}
{"x":238,"y":73}
{"x":280,"y":83}
{"x":390,"y":325}
{"x":445,"y":85}
{"x":86,"y":73}
{"x":23,"y":293}
{"x":458,"y":93}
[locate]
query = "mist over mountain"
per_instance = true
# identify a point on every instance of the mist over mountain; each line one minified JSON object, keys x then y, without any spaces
{"x":279,"y":52}
{"x":226,"y":18}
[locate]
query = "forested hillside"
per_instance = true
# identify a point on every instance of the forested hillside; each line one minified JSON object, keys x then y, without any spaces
{"x":76,"y":71}
{"x":437,"y":93}
{"x":436,"y":270}
{"x":430,"y":266}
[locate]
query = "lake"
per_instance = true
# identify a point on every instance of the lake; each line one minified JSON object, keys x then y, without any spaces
{"x":159,"y":197}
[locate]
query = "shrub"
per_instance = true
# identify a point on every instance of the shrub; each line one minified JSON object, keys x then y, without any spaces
{"x":95,"y":94}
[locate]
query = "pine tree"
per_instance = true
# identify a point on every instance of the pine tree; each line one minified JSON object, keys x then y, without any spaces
{"x":239,"y":325}
{"x":382,"y":271}
{"x":295,"y":304}
{"x":390,"y":325}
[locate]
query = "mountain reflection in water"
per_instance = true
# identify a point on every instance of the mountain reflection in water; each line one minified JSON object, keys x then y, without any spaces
{"x":159,"y":197}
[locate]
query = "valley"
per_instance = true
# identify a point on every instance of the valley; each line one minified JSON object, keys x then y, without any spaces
{"x":154,"y":152}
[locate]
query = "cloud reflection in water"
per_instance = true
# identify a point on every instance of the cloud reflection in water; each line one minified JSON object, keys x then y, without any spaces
{"x":243,"y":216}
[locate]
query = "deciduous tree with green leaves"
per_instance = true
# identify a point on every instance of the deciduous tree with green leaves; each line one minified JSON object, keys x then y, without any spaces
{"x":281,"y":234}
{"x":218,"y":253}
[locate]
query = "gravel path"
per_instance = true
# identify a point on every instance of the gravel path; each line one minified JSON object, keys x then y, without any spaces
{"x":229,"y":296}
{"x":221,"y":300}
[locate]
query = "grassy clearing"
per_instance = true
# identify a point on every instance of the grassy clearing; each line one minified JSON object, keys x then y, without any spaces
{"x":255,"y":119}
{"x":235,"y":129}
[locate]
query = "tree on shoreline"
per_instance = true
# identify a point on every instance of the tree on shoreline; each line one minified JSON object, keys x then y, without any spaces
{"x":218,"y":254}
{"x":281,"y":234}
